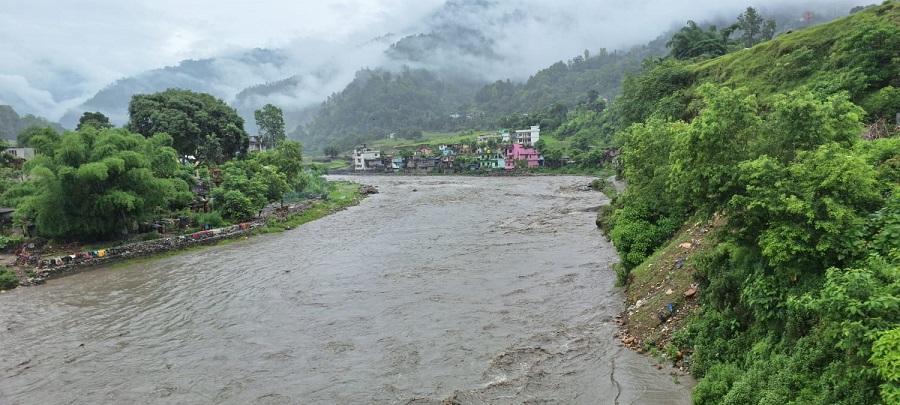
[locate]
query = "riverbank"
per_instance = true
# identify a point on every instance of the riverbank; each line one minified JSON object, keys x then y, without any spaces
{"x":53,"y":263}
{"x":662,"y":295}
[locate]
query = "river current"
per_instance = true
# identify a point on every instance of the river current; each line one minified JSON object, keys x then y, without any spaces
{"x":437,"y":290}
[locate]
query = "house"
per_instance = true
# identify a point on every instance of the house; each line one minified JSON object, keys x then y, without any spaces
{"x":21,"y":153}
{"x":519,"y":152}
{"x":528,"y":136}
{"x":422,"y":165}
{"x":256,"y":144}
{"x":490,"y":159}
{"x":397,"y":163}
{"x":365,"y":159}
{"x":522,"y":136}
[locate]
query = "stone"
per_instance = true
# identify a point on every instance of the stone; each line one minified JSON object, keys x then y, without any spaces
{"x":686,"y":245}
{"x":690,"y":292}
{"x":669,"y":292}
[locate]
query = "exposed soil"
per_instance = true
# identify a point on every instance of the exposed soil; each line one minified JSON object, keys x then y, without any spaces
{"x":661,"y":294}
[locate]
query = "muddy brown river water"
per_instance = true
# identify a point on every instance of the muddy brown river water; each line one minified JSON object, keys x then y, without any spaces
{"x":468,"y":290}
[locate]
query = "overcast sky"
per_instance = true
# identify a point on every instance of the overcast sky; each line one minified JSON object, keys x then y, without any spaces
{"x":54,"y":54}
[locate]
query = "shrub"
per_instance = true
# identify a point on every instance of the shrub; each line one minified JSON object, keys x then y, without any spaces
{"x":213,"y":219}
{"x":151,"y":236}
{"x":8,"y":279}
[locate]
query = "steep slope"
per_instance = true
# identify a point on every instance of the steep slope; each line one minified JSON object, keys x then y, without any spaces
{"x":789,"y":216}
{"x":856,"y":54}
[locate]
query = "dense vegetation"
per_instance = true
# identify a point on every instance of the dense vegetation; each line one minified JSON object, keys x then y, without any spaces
{"x":378,"y":103}
{"x":801,"y":299}
{"x":100,"y":183}
{"x":200,"y":124}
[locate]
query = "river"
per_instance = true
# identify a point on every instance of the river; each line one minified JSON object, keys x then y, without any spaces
{"x":437,"y":290}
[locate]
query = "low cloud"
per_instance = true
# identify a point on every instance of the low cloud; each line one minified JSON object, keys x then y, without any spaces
{"x":58,"y":55}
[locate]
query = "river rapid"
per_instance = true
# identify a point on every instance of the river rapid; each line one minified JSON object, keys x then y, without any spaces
{"x":436,"y":290}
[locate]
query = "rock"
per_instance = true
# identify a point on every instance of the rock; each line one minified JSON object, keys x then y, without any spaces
{"x":686,"y":245}
{"x":669,"y":292}
{"x":638,"y":304}
{"x":690,"y":292}
{"x":367,"y":189}
{"x":628,"y":340}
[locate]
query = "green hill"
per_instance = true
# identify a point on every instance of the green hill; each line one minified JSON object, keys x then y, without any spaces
{"x":859,"y":54}
{"x":757,"y":180}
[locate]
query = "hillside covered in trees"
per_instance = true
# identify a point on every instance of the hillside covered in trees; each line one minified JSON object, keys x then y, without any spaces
{"x":790,"y":145}
{"x":11,"y":124}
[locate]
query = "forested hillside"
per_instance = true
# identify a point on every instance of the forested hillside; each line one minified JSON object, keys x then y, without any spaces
{"x":11,"y":124}
{"x":785,"y":146}
{"x":379,"y":102}
{"x":371,"y":109}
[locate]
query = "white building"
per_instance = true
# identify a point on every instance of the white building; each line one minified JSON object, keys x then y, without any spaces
{"x":23,"y":153}
{"x":365,"y":158}
{"x":522,"y":136}
{"x":528,"y":136}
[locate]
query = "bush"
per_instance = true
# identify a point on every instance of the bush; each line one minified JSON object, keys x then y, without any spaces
{"x":212,"y":219}
{"x":236,"y":206}
{"x":9,"y":241}
{"x":8,"y":279}
{"x":151,"y":236}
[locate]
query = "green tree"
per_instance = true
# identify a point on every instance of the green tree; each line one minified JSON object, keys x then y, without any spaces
{"x":768,"y":30}
{"x":287,"y":158}
{"x":332,"y":151}
{"x":705,"y":156}
{"x":189,"y":118}
{"x":800,"y":121}
{"x":93,"y":119}
{"x":248,"y":185}
{"x":750,"y":24}
{"x":692,"y":42}
{"x":270,"y":121}
{"x":99,"y":184}
{"x":47,"y":132}
{"x":660,"y":90}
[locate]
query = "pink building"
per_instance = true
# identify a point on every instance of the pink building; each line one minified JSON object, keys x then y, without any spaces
{"x":518,"y":151}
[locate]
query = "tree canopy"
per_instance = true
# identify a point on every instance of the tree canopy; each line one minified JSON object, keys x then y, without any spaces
{"x":96,"y":120}
{"x":271,"y":125}
{"x":199,"y":124}
{"x":98,"y":184}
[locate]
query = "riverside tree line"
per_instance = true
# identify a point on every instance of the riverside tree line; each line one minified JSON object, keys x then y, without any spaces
{"x":178,"y":150}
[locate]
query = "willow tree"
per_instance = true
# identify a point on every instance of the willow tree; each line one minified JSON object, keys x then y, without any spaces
{"x":99,"y":184}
